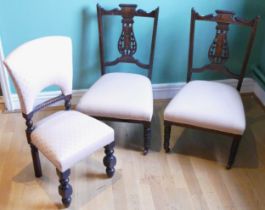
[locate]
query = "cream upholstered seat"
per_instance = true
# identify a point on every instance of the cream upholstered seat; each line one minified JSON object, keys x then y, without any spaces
{"x":125,"y":97}
{"x":68,"y":136}
{"x":210,"y":105}
{"x":198,"y":103}
{"x":64,"y":137}
{"x":119,"y":95}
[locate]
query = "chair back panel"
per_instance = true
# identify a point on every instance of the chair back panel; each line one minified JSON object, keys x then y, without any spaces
{"x":218,"y":53}
{"x":38,"y":64}
{"x":127,"y":43}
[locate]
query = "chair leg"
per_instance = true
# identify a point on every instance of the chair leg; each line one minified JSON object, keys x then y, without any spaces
{"x":109,"y":160}
{"x":233,"y":151}
{"x":147,"y":137}
{"x":65,"y":189}
{"x":167,"y":131}
{"x":36,"y":160}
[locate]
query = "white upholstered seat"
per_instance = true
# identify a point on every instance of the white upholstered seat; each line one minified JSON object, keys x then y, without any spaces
{"x":68,"y":136}
{"x":210,"y":105}
{"x":119,"y":95}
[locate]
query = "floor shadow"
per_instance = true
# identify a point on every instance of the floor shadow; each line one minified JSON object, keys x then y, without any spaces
{"x":131,"y":135}
{"x":26,"y":175}
{"x":214,"y":147}
{"x":87,"y":178}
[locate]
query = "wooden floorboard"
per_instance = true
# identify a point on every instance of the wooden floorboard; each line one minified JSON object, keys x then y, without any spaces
{"x":192,"y":176}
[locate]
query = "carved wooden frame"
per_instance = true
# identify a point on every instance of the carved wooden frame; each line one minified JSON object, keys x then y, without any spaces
{"x":127,"y":47}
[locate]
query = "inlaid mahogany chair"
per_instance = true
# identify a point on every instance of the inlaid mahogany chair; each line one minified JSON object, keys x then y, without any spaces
{"x":123,"y":96}
{"x":210,"y":105}
{"x":64,"y":137}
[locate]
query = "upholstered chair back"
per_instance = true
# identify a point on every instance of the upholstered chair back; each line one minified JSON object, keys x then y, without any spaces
{"x":45,"y":62}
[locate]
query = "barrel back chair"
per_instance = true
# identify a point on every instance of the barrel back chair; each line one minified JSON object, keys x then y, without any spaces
{"x":64,"y":137}
{"x":210,"y":105}
{"x":123,"y":96}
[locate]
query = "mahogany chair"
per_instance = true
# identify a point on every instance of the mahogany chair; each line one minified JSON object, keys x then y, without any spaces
{"x":64,"y":137}
{"x":122,"y":96}
{"x":210,"y":105}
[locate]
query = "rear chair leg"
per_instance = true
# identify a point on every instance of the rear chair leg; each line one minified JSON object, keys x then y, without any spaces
{"x":109,"y":160}
{"x":147,"y":137}
{"x":36,"y":160}
{"x":65,"y":189}
{"x":167,"y":131}
{"x":233,"y":151}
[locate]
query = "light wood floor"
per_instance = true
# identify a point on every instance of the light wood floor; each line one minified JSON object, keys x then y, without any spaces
{"x":193,"y":176}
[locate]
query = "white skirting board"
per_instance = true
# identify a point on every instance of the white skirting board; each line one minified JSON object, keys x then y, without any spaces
{"x":160,"y":91}
{"x":259,"y":92}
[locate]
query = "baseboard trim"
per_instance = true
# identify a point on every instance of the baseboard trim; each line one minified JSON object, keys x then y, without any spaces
{"x":260,"y":93}
{"x":160,"y":91}
{"x":168,"y":91}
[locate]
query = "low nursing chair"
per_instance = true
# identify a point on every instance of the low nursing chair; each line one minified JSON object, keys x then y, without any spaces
{"x":211,"y":105}
{"x":123,"y":96}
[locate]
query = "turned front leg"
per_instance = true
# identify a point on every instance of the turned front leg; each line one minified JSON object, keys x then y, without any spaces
{"x":110,"y":160}
{"x":65,"y":189}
